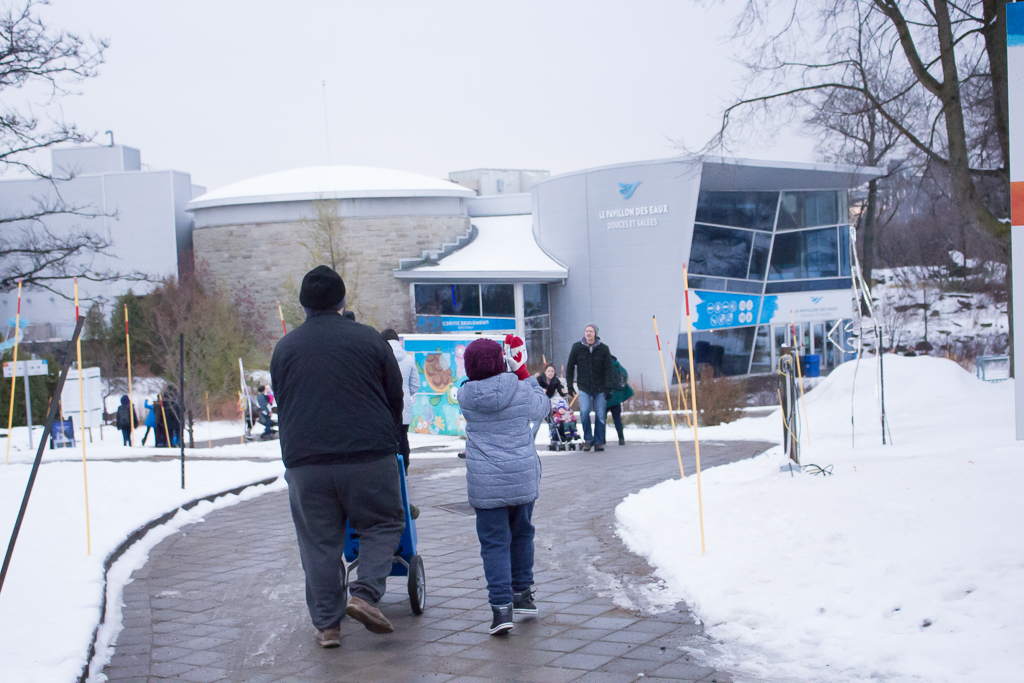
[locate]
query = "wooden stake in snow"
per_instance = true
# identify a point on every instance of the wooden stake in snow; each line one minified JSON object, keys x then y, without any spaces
{"x":800,"y":376}
{"x":693,"y":403}
{"x":163,"y":413}
{"x":281,"y":315}
{"x":81,"y":417}
{"x":131,"y":399}
{"x":668,"y":398}
{"x":209,"y":425}
{"x":14,"y":376}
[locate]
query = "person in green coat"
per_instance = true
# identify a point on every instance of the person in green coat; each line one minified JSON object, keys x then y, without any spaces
{"x":620,"y":392}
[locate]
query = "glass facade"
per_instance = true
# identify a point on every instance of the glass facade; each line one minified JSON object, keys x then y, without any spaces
{"x":447,"y":299}
{"x":537,"y":324}
{"x":766,"y":243}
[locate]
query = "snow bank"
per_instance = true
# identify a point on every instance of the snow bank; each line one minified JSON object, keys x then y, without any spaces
{"x":905,"y":565}
{"x":50,"y":603}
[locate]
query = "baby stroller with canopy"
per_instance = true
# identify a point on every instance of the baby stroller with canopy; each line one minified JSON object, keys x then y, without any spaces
{"x":562,"y":426}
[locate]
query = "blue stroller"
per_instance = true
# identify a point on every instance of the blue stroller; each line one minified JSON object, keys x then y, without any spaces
{"x":406,"y":562}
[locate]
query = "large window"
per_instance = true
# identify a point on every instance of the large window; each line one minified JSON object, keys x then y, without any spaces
{"x":448,"y":299}
{"x":810,"y":209}
{"x":759,"y":256}
{"x":498,"y":301}
{"x":537,"y":321}
{"x":754,"y":210}
{"x":720,"y":251}
{"x":726,"y":352}
{"x":805,"y":254}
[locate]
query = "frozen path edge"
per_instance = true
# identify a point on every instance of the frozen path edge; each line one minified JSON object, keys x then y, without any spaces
{"x":137,"y":536}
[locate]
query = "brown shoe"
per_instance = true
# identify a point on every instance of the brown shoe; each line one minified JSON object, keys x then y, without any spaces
{"x":329,"y":637}
{"x":368,"y":615}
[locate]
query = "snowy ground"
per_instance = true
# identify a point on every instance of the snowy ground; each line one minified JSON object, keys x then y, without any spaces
{"x":905,"y":565}
{"x":51,"y":599}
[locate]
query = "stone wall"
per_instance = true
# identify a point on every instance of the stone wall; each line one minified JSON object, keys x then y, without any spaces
{"x":266,"y":256}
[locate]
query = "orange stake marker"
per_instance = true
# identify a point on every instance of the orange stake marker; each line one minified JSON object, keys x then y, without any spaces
{"x":693,"y":404}
{"x":281,"y":315}
{"x":131,"y":398}
{"x":668,"y":398}
{"x":14,"y":376}
{"x":81,"y":417}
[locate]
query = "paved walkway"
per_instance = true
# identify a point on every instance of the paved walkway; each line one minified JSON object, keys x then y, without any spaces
{"x":224,"y":600}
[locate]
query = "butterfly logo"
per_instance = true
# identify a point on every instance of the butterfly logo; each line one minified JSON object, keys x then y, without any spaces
{"x":816,"y":299}
{"x":627,"y":189}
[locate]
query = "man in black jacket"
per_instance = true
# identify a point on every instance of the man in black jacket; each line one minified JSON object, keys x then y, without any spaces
{"x":339,"y":408}
{"x":590,"y":364}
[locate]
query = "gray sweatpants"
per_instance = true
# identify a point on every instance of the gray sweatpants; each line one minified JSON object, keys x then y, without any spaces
{"x":369,"y":496}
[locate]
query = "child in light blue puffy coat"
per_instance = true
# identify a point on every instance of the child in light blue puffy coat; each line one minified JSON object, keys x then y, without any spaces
{"x":503,"y":470}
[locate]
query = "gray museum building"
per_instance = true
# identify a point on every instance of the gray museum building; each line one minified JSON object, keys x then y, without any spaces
{"x":767,"y":246}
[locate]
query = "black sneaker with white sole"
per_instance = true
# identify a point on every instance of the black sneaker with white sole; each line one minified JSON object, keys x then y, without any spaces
{"x":501,"y":623}
{"x":522,"y":603}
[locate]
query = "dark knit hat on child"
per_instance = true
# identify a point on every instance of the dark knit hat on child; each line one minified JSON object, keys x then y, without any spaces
{"x":322,"y":290}
{"x":484,"y":358}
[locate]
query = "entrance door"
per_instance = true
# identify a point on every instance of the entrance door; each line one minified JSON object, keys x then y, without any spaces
{"x":783,"y":335}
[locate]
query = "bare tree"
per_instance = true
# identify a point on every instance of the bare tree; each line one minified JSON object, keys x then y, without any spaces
{"x":216,"y":336}
{"x":933,"y":71}
{"x":35,"y":58}
{"x":327,"y":244}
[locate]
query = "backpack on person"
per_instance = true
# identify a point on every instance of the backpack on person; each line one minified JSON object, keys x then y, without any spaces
{"x":124,"y":420}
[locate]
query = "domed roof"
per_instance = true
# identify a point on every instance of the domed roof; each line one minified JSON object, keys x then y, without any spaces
{"x":329,"y":182}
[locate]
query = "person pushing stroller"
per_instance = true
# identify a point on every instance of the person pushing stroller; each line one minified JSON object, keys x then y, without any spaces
{"x":503,"y":470}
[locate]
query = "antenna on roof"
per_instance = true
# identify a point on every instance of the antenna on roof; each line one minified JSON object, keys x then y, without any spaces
{"x":327,"y":125}
{"x":111,"y":134}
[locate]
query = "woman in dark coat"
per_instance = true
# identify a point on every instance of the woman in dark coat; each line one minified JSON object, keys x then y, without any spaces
{"x":549,"y":382}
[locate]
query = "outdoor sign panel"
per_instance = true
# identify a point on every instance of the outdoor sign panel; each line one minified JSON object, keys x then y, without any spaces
{"x":1015,"y":92}
{"x":455,"y":323}
{"x":440,"y":363}
{"x":92,"y":391}
{"x":31,"y":368}
{"x":719,"y":310}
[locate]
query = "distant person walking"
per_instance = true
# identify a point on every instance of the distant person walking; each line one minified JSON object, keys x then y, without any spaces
{"x":126,"y":419}
{"x":264,"y":409}
{"x":339,"y":403}
{"x":150,"y":421}
{"x":410,"y":385}
{"x":549,"y":382}
{"x":590,"y":365}
{"x":503,"y":471}
{"x":620,"y":393}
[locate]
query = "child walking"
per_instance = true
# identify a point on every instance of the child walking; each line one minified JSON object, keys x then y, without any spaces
{"x":503,"y":470}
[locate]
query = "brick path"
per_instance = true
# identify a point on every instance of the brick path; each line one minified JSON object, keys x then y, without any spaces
{"x":224,"y":600}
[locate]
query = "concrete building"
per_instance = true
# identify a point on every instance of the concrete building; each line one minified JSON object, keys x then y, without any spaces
{"x":253,"y":233}
{"x":141,"y":212}
{"x":766,"y":243}
{"x":493,"y":181}
{"x":767,"y":247}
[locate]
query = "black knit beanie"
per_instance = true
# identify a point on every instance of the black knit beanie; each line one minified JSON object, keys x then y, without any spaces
{"x":322,"y":290}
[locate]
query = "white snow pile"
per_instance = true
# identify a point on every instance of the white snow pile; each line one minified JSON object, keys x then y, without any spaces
{"x":907,"y":564}
{"x":50,"y":602}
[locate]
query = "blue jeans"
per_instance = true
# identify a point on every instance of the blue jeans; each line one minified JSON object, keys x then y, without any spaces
{"x":597,"y":403}
{"x":506,"y":546}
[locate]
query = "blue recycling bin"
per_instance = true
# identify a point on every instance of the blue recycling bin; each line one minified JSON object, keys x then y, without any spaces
{"x":811,"y":365}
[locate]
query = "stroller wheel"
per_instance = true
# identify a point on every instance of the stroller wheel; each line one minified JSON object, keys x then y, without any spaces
{"x":552,"y":447}
{"x":572,"y":446}
{"x":417,"y":585}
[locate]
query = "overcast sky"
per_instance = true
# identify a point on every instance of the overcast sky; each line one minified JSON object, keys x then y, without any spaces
{"x":228,"y":90}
